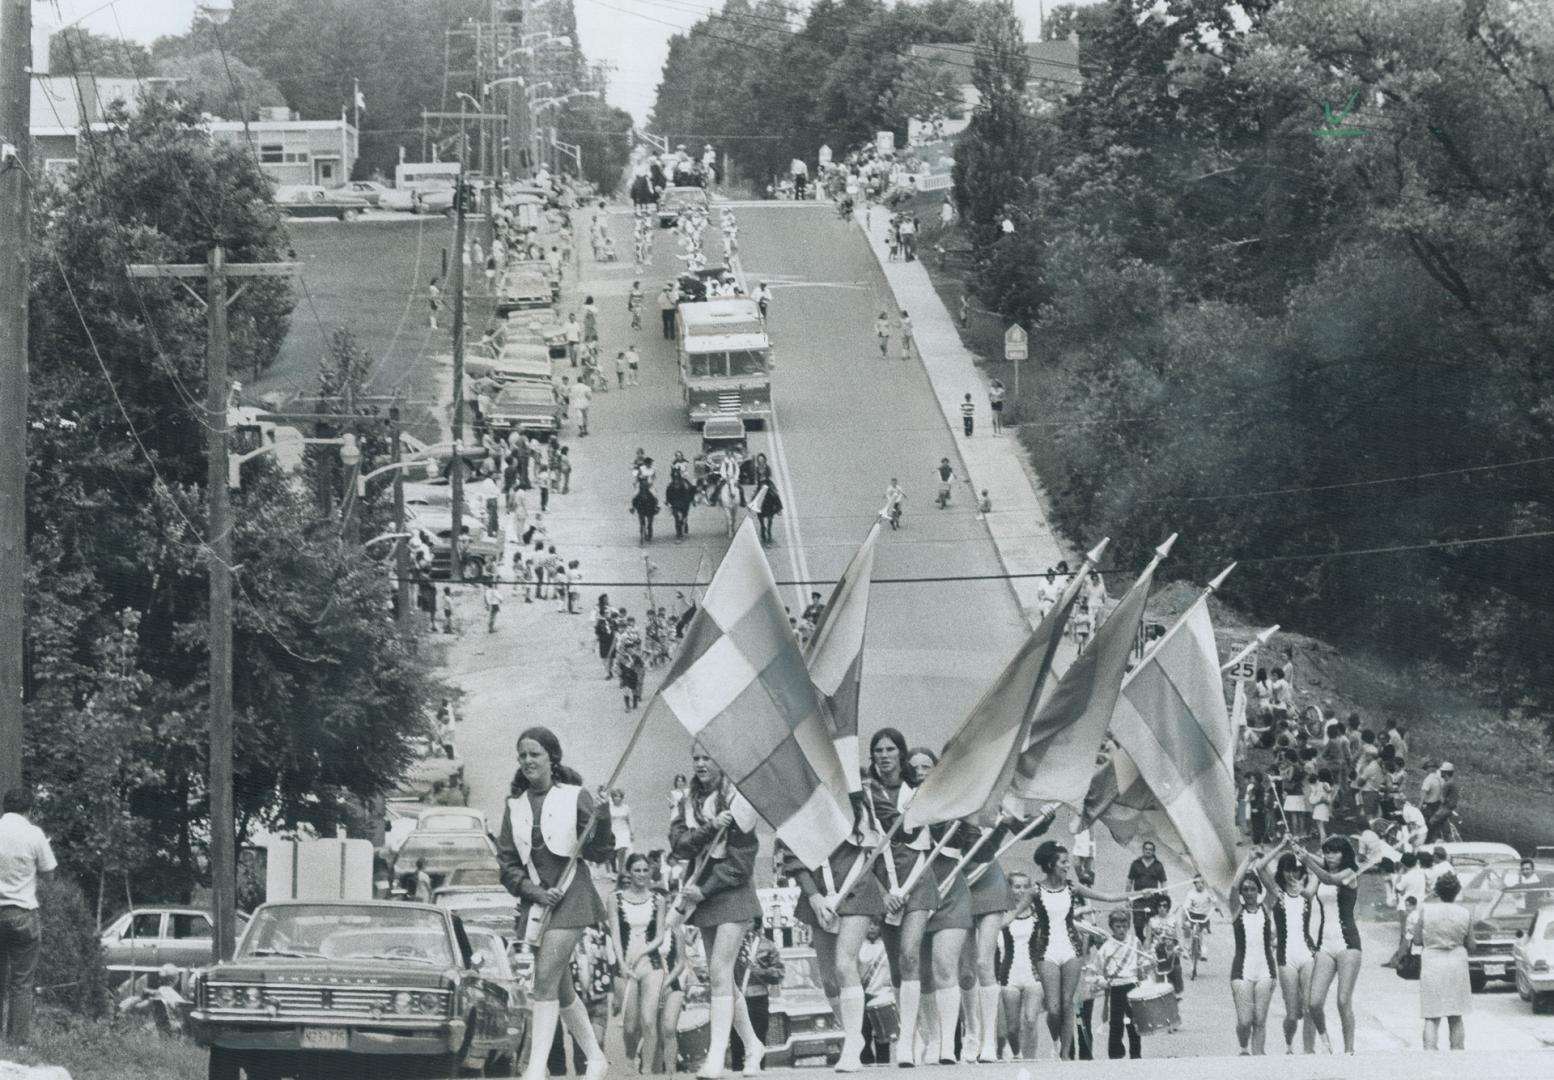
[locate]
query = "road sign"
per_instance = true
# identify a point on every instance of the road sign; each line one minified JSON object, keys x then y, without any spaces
{"x":1016,"y":343}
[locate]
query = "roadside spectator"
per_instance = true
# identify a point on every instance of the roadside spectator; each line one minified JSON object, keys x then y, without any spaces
{"x":984,"y":505}
{"x":25,"y":856}
{"x":423,"y":883}
{"x":434,"y":298}
{"x":1445,"y":991}
{"x":574,"y":337}
{"x":1431,"y":795}
{"x":882,"y":331}
{"x":493,"y":599}
{"x":666,"y":310}
{"x":1145,"y":873}
{"x":447,"y":610}
{"x":995,"y":404}
{"x":906,"y":335}
{"x":633,"y":363}
{"x":590,"y":320}
{"x":968,"y":415}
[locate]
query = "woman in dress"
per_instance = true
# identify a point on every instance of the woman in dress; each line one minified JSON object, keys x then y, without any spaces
{"x":550,"y":824}
{"x":890,"y":786}
{"x":1294,"y":896}
{"x":620,"y":828}
{"x":1444,"y":990}
{"x":948,"y":928}
{"x":1252,"y":969}
{"x":1337,"y":935}
{"x":716,"y":832}
{"x":636,"y":916}
{"x":678,"y":789}
{"x":840,"y":924}
{"x":1059,"y":949}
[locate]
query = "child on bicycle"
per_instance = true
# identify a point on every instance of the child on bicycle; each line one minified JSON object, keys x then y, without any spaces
{"x":1161,"y":938}
{"x":1196,"y":908}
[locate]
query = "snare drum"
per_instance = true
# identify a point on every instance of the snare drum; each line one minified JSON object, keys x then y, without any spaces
{"x":1154,"y":1008}
{"x":884,"y":1022}
{"x":693,"y":1037}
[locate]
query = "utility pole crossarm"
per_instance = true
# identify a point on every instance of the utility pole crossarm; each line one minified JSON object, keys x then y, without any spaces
{"x":185,"y":270}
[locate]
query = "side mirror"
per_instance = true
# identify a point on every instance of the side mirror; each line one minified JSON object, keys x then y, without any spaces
{"x":477,"y":961}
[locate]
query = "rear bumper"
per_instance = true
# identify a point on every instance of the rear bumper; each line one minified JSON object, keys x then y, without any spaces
{"x":1493,"y":964}
{"x":820,"y":1044}
{"x":437,"y":1035}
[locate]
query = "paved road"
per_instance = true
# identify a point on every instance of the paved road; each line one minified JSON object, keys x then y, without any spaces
{"x":847,"y":422}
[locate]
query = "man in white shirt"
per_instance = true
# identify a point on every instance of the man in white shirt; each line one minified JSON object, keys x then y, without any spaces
{"x":25,"y":856}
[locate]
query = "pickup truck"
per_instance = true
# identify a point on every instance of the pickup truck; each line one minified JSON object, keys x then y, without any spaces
{"x":526,"y":407}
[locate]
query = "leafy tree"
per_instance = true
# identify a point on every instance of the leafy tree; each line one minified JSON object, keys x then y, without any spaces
{"x":78,"y":51}
{"x":994,"y":155}
{"x":229,"y":89}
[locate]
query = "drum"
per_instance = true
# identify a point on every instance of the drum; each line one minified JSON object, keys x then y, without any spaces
{"x":693,"y":1036}
{"x":884,"y":1022}
{"x":1154,"y":1008}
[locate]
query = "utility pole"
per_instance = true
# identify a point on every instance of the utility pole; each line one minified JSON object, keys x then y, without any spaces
{"x":402,"y":589}
{"x":455,"y":537}
{"x":15,"y":227}
{"x":223,"y":815}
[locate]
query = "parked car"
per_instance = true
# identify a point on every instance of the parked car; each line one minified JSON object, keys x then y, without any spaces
{"x":1485,"y":882}
{"x":1475,"y":853}
{"x":493,"y":960}
{"x":370,"y":191}
{"x":494,"y":909}
{"x":1533,"y":961}
{"x":676,"y":200}
{"x":329,"y":988}
{"x":1497,"y":926}
{"x":802,"y":1029}
{"x":477,"y":548}
{"x":431,"y":200}
{"x":311,"y":200}
{"x":443,"y":852}
{"x":522,"y":290}
{"x":451,"y":819}
{"x":143,"y":939}
{"x":528,"y":407}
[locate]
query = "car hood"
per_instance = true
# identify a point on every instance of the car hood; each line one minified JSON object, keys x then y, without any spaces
{"x":800,"y":1003}
{"x":326,"y":972}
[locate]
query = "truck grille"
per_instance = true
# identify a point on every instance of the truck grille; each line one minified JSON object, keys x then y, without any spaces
{"x":728,"y":401}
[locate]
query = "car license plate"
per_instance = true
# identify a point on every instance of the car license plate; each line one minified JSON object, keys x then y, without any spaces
{"x":805,"y":1062}
{"x":1494,"y":970}
{"x":325,"y":1039}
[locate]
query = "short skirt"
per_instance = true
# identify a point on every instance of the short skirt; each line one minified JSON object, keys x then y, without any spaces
{"x":865,"y":898}
{"x":924,"y":895}
{"x":736,"y":905}
{"x":954,"y":911}
{"x":990,"y":892}
{"x":580,"y":906}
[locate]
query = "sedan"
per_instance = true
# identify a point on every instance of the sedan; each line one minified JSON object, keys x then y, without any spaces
{"x":143,"y":939}
{"x":451,"y":819}
{"x":1533,"y":959}
{"x":1497,"y":926}
{"x":443,"y":852}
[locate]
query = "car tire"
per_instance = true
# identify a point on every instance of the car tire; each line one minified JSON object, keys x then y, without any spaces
{"x":225,"y":1064}
{"x":1543,"y":1003}
{"x":1523,"y":988}
{"x":500,"y":1065}
{"x":350,"y":215}
{"x":474,"y":567}
{"x":1477,"y":980}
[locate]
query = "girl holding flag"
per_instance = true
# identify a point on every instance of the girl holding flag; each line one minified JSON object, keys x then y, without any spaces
{"x":715,"y":831}
{"x":1252,"y":970}
{"x":551,"y":821}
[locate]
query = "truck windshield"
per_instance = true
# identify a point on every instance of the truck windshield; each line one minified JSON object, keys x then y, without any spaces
{"x":707,"y":365}
{"x":747,"y":361}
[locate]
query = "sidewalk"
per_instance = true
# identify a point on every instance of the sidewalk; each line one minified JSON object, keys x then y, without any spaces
{"x":1019,"y":525}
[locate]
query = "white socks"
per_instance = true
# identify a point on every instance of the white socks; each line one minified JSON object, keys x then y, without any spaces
{"x":575,"y":1019}
{"x":909,"y":996}
{"x":947,"y":1005}
{"x":850,"y":1007}
{"x":754,"y":1051}
{"x":542,"y":1032}
{"x":987,"y":997}
{"x":721,"y":1010}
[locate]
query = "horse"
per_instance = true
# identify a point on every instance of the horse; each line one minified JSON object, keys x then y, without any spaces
{"x":725,"y":497}
{"x":680,"y":495}
{"x":645,"y":505}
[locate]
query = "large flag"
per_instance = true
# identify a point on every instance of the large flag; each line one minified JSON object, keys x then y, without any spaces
{"x":835,"y":654}
{"x":1059,"y":756}
{"x":974,"y":770}
{"x":1171,"y":777}
{"x":739,"y":686}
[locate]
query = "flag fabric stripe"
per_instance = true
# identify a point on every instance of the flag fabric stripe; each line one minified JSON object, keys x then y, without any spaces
{"x":740,"y":586}
{"x":762,"y":636}
{"x":708,"y":688}
{"x":835,"y":653}
{"x":699,"y":637}
{"x":1168,"y":718}
{"x":1059,"y":757}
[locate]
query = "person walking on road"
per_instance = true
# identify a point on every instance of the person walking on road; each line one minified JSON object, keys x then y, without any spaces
{"x":906,"y":335}
{"x":995,"y":405}
{"x":633,"y":363}
{"x":582,"y":401}
{"x":763,"y":298}
{"x":767,"y":504}
{"x":1253,"y":968}
{"x":968,"y":415}
{"x":493,"y":599}
{"x":634,"y":305}
{"x":25,"y":856}
{"x":882,"y":331}
{"x":666,"y":310}
{"x":946,"y":476}
{"x":590,"y":320}
{"x":573,"y":332}
{"x":1145,"y":874}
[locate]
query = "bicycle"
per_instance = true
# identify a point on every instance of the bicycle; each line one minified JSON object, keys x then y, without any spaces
{"x":1196,"y":930}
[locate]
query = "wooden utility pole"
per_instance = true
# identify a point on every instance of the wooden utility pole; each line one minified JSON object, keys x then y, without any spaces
{"x":218,"y":557}
{"x":455,"y":537}
{"x":405,"y":597}
{"x":15,"y":226}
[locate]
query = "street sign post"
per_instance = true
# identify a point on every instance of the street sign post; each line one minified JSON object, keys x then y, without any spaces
{"x":1016,"y":348}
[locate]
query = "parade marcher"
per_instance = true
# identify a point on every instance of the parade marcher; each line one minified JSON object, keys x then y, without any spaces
{"x":548,"y":825}
{"x":882,"y":331}
{"x":1252,"y":970}
{"x":636,"y":917}
{"x":990,"y":901}
{"x":1293,"y":894}
{"x":1119,"y":961}
{"x":1015,"y":966}
{"x":946,"y":477}
{"x":716,"y":831}
{"x":1337,"y":940}
{"x":1059,"y":947}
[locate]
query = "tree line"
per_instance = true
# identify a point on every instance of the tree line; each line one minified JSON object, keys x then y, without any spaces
{"x":1293,"y":273}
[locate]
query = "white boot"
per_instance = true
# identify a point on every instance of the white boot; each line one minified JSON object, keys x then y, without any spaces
{"x":542,"y":1032}
{"x":575,"y":1019}
{"x":906,"y":1042}
{"x":850,"y":1009}
{"x":947,"y":1005}
{"x":721,"y":1010}
{"x":970,"y":1026}
{"x":754,"y":1051}
{"x":987,"y":998}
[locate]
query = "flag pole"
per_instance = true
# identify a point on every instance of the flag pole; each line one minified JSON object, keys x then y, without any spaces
{"x":1256,"y":643}
{"x":1048,"y":812}
{"x":863,"y":865}
{"x":905,"y":888}
{"x":975,"y":873}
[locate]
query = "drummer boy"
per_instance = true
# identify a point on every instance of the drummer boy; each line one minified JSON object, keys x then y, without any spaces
{"x":1119,"y":960}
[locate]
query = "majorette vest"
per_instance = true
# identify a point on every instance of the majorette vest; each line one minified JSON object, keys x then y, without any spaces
{"x":558,"y":821}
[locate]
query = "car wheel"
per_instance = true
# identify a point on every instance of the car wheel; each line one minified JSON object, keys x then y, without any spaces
{"x":350,"y":215}
{"x":1543,"y":1003}
{"x":1477,"y":980}
{"x":499,"y":1065}
{"x":474,"y":567}
{"x":224,"y":1064}
{"x":1523,"y":987}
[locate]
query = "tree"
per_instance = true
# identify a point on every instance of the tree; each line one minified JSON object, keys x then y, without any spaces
{"x":78,"y":51}
{"x":224,"y":88}
{"x":994,"y":155}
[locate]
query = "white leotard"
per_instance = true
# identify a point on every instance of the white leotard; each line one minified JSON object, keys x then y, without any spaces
{"x":1021,"y":975}
{"x":1254,"y":963}
{"x":1296,"y":951}
{"x":1057,"y":904}
{"x":636,"y":914}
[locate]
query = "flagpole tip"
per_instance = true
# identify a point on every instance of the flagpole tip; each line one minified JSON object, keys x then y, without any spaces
{"x":1262,"y":638}
{"x":1223,"y":574}
{"x":1165,"y":548}
{"x":1095,"y":553}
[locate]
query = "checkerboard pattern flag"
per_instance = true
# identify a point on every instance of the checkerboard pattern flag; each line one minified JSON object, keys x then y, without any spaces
{"x":739,"y":686}
{"x":835,"y":654}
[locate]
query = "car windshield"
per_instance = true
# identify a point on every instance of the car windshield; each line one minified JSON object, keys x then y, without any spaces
{"x":800,"y":973}
{"x":493,"y":951}
{"x":345,"y":931}
{"x":451,"y":823}
{"x":1514,"y":902}
{"x":444,"y":843}
{"x":475,"y":875}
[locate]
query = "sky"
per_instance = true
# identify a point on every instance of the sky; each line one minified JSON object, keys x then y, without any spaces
{"x":631,"y":35}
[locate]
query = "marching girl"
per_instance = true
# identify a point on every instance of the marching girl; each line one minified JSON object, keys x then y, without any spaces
{"x":1059,"y":948}
{"x":542,"y":830}
{"x":680,"y":977}
{"x":716,"y":832}
{"x":948,"y":927}
{"x":1337,"y":941}
{"x":1294,"y":896}
{"x":1015,"y":965}
{"x":1252,"y":971}
{"x":636,"y":916}
{"x":840,"y":925}
{"x":890,"y":786}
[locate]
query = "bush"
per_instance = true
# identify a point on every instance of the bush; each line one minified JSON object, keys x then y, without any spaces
{"x":71,"y":970}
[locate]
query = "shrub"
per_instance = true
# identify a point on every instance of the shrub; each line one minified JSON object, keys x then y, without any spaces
{"x":71,"y":970}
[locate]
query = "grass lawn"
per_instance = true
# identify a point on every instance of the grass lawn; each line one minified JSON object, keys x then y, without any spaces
{"x":100,"y":1050}
{"x":1505,"y":769}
